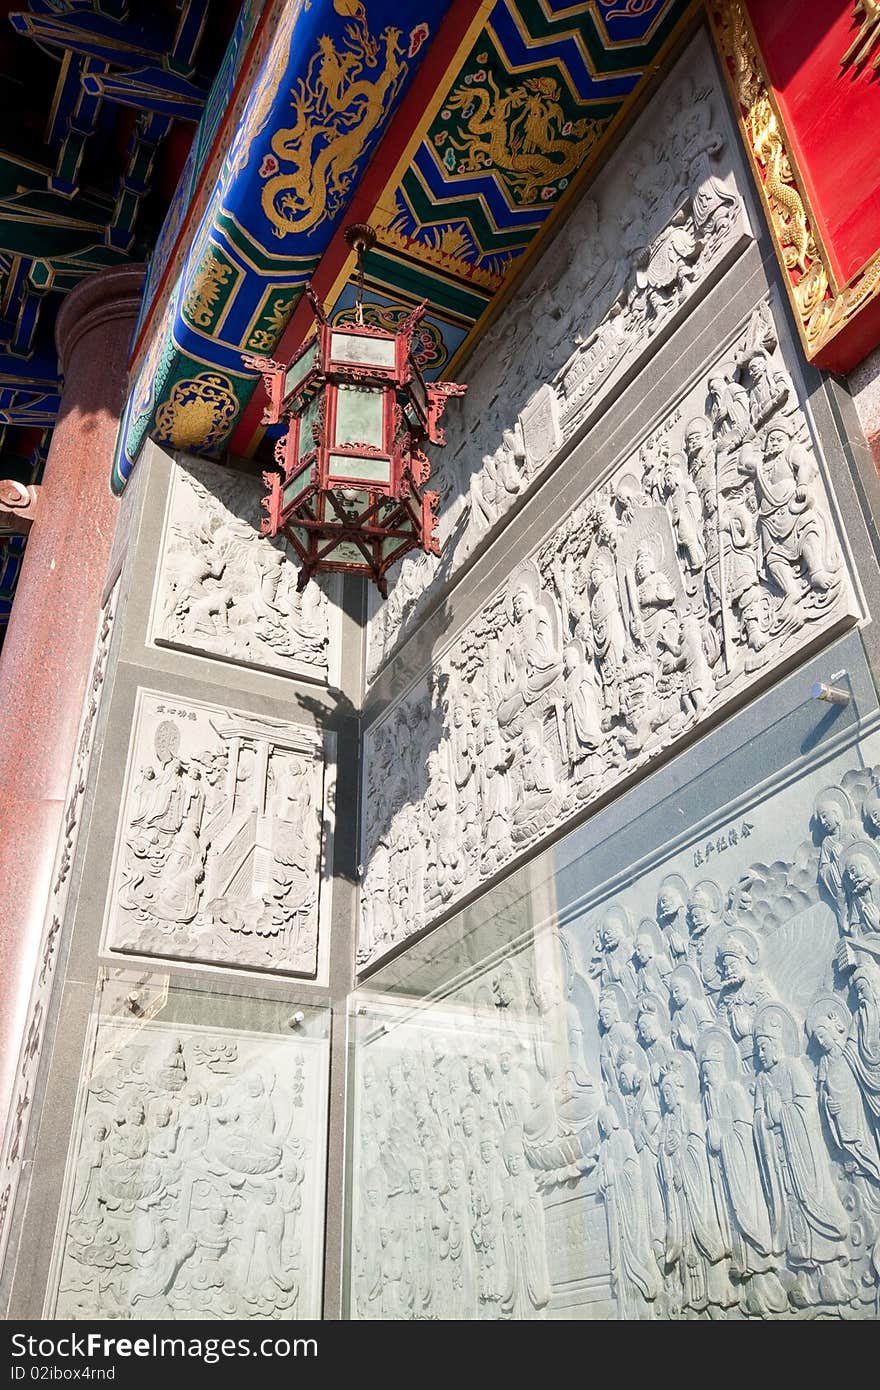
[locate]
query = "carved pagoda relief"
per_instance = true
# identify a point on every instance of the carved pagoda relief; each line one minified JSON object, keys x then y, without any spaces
{"x":195,"y":1187}
{"x":218,"y":856}
{"x":712,"y":553}
{"x":226,"y":591}
{"x":696,"y":1053}
{"x":658,"y":228}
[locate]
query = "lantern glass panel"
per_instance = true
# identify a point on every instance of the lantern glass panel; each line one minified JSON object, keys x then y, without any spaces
{"x":362,"y":350}
{"x":309,"y":417}
{"x":294,"y":486}
{"x":347,"y":553}
{"x":352,"y":466}
{"x":419,"y":391}
{"x":360,"y":412}
{"x":299,"y":370}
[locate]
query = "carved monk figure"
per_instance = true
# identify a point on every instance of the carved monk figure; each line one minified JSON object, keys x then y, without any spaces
{"x":498,"y":799}
{"x":861,"y":885}
{"x":651,"y":1029}
{"x":612,"y":960}
{"x":807,"y":1219}
{"x":705,"y":908}
{"x":651,"y":964}
{"x":583,"y":712}
{"x":635,"y":1269}
{"x":528,"y":1288}
{"x":617,"y":1039}
{"x":184,"y":867}
{"x":837,"y":829}
{"x":607,"y":631}
{"x":537,"y":775}
{"x":696,"y":1248}
{"x":690,"y":1012}
{"x":736,"y":1180}
{"x":672,"y":916}
{"x":864,"y":1040}
{"x":85,"y":1207}
{"x":643,"y":1119}
{"x":532,"y":661}
{"x":840,"y":1095}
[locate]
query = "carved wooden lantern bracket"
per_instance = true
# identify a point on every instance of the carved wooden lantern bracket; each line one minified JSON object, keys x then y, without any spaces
{"x":351,"y":492}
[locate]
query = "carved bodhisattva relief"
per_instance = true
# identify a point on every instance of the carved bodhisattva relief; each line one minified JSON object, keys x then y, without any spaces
{"x":662,"y":223}
{"x":219,"y":847}
{"x":195,"y":1189}
{"x":225,"y":591}
{"x":697,"y":1054}
{"x":710,"y":554}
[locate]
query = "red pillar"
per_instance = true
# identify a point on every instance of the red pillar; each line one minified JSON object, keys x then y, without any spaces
{"x":45,"y":659}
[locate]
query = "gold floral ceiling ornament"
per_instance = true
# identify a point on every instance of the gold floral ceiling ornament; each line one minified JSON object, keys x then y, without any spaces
{"x":822,"y":307}
{"x":198,"y":414}
{"x":868,"y":37}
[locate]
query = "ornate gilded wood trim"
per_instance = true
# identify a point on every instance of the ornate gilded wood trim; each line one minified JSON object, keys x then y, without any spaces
{"x":821,"y":307}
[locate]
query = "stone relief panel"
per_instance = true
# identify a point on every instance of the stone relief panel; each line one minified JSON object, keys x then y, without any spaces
{"x":658,"y":228}
{"x":455,"y":1217}
{"x":223,"y":590}
{"x":678,"y":1107}
{"x":41,"y":990}
{"x":710,"y":554}
{"x":195,"y":1189}
{"x":218,"y":855}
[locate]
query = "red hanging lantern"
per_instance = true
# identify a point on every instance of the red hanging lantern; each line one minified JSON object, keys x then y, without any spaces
{"x":351,"y":494}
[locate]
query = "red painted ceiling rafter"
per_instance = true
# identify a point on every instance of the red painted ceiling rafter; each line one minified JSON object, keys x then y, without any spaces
{"x":440,"y":59}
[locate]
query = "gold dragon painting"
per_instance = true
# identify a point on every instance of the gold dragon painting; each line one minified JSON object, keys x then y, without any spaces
{"x":522,"y":134}
{"x":349,"y":88}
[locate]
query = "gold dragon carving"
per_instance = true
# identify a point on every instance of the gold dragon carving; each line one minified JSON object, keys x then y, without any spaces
{"x":338,"y":105}
{"x":520,"y":134}
{"x":822,"y":310}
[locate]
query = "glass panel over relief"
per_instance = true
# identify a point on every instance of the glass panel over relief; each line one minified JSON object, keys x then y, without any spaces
{"x":195,"y":1183}
{"x":371,"y":352}
{"x":639,"y":1078}
{"x":359,"y":415}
